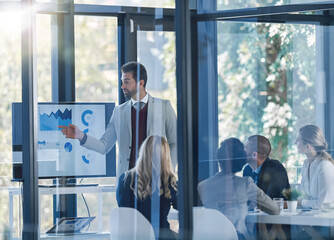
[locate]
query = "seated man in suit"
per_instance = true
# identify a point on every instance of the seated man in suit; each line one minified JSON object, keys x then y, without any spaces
{"x":231,"y":194}
{"x":268,"y":174}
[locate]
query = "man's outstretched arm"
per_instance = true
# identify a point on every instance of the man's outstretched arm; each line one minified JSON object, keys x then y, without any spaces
{"x":72,"y":131}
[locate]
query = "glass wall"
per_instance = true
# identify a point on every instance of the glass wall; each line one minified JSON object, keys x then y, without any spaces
{"x":10,"y":72}
{"x":267,"y":85}
{"x":96,"y":64}
{"x":132,"y":3}
{"x":44,"y":50}
{"x":269,"y":75}
{"x":44,"y":45}
{"x":157,"y":52}
{"x":97,"y":81}
{"x":226,"y":4}
{"x":272,"y":80}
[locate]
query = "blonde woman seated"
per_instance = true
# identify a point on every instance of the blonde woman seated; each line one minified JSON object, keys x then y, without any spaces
{"x":318,"y":168}
{"x":231,"y":194}
{"x":150,"y":186}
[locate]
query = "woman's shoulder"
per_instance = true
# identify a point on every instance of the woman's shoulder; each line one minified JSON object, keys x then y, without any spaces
{"x":306,"y":162}
{"x":322,"y":167}
{"x":324,"y":163}
{"x":125,"y":178}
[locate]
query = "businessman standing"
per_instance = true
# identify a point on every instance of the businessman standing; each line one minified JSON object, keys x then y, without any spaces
{"x":131,"y":122}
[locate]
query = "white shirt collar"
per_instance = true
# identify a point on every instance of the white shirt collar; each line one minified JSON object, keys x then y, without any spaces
{"x":258,"y":169}
{"x":144,"y":100}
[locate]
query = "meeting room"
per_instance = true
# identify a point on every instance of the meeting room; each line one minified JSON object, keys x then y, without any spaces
{"x":185,"y":119}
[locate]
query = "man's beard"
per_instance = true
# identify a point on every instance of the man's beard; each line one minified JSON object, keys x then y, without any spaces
{"x":130,"y":94}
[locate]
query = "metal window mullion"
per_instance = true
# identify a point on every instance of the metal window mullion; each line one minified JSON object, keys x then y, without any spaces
{"x":63,"y":90}
{"x":68,"y":56}
{"x":208,"y":93}
{"x":262,"y":11}
{"x":29,"y":124}
{"x":184,"y":122}
{"x":329,"y":81}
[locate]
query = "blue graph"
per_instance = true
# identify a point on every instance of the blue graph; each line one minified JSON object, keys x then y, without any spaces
{"x":85,"y":159}
{"x":51,"y":121}
{"x":68,"y":147}
{"x":86,"y":117}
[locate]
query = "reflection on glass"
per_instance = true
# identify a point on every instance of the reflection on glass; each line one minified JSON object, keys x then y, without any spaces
{"x":132,"y":3}
{"x":43,"y":46}
{"x":159,"y":62}
{"x":132,"y":122}
{"x":96,"y":66}
{"x":150,"y":187}
{"x":226,"y":4}
{"x":10,"y":91}
{"x":156,"y":51}
{"x":96,"y":80}
{"x":232,"y":195}
{"x":267,"y":84}
{"x":43,"y":70}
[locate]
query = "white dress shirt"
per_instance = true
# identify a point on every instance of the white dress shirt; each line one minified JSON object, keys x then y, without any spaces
{"x":317,"y":182}
{"x":144,"y":100}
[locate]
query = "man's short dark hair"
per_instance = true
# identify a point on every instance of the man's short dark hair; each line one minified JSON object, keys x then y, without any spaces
{"x":231,"y":155}
{"x":259,"y":144}
{"x":136,"y":69}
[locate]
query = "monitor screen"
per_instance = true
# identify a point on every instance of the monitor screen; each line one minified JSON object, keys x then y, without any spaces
{"x":58,"y":156}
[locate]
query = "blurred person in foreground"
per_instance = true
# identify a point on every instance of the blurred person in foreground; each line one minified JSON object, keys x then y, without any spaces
{"x":231,"y":194}
{"x":151,"y":185}
{"x":268,"y":174}
{"x":317,"y":170}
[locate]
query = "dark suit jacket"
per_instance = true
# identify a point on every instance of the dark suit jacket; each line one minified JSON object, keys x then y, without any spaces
{"x":272,"y":178}
{"x":126,"y":198}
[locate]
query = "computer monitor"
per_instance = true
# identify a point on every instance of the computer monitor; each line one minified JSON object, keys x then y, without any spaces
{"x":58,"y":156}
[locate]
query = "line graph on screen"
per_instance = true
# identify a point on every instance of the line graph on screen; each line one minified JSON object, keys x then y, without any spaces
{"x":50,"y":122}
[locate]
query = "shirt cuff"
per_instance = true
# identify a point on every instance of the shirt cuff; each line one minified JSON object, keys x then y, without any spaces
{"x":84,"y":139}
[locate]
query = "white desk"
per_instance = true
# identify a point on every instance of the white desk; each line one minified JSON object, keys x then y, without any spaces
{"x":307,"y":219}
{"x":310,"y":218}
{"x":77,"y":236}
{"x":62,"y":190}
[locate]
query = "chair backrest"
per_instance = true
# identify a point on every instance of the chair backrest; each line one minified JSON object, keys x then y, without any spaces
{"x":128,"y":223}
{"x":212,"y":224}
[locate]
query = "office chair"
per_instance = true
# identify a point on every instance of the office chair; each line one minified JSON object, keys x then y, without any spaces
{"x":212,"y":224}
{"x":128,"y":223}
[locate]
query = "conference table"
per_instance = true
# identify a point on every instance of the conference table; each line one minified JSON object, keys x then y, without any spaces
{"x":306,"y":218}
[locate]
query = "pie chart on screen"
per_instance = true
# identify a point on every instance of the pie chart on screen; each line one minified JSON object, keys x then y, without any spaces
{"x":68,"y":147}
{"x":86,"y":156}
{"x":86,"y":160}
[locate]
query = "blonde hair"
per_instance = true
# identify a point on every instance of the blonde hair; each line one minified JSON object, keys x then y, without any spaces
{"x":311,"y":134}
{"x":153,"y":170}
